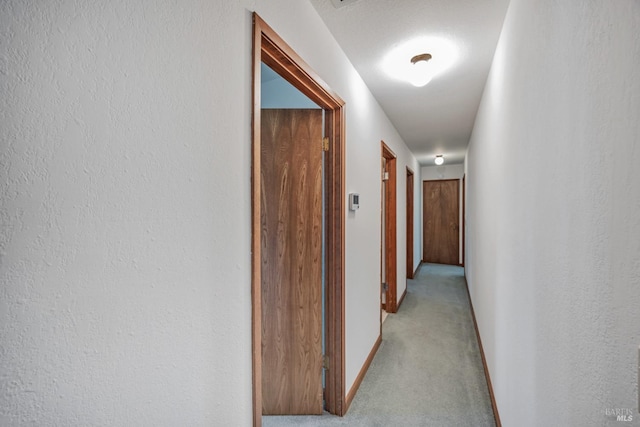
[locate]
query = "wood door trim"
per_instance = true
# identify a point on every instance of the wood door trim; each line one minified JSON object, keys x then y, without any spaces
{"x":410,"y":208}
{"x":464,"y":201}
{"x":391,"y":232}
{"x":269,"y":48}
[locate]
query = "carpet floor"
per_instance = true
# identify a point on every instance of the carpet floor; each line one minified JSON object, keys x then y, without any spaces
{"x":428,"y":370}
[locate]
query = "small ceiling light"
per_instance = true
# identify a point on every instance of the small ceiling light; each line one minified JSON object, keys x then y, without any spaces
{"x":439,"y":159}
{"x":443,"y":54}
{"x":422,"y":71}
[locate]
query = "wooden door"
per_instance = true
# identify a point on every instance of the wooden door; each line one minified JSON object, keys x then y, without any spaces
{"x":441,"y":230}
{"x":291,"y":241}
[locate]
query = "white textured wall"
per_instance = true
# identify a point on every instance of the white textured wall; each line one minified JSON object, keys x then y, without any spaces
{"x":553,"y":223}
{"x":431,"y":173}
{"x":125,"y":191}
{"x":124,"y":181}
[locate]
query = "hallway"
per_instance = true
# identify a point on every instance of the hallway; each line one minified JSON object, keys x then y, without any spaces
{"x":428,"y":369}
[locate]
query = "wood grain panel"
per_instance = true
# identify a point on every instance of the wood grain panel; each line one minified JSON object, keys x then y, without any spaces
{"x":291,"y":256}
{"x":441,"y":238}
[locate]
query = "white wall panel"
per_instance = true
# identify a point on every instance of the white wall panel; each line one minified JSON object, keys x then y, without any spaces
{"x":553,"y":228}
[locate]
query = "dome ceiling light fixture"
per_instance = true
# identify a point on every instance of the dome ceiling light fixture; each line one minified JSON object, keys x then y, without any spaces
{"x":422,"y":71}
{"x":410,"y":62}
{"x":439,"y":159}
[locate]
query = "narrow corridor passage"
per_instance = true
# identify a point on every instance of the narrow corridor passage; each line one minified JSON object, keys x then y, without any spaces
{"x":428,"y":370}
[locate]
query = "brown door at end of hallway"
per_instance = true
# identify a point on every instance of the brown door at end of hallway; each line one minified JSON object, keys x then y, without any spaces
{"x":291,"y":241}
{"x":441,"y":229}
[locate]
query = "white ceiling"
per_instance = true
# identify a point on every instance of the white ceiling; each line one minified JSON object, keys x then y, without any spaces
{"x":436,"y":118}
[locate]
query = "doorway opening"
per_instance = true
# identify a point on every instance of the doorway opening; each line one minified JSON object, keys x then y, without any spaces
{"x":271,"y":51}
{"x":292,"y":242}
{"x":388,"y":264}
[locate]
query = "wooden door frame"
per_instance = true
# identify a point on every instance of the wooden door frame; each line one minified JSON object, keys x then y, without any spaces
{"x":410,"y":207}
{"x":269,"y":48}
{"x":390,"y":231}
{"x":464,"y":201}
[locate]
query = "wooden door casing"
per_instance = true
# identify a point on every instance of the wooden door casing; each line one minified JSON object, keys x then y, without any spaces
{"x":441,"y":219}
{"x":269,"y":48}
{"x":291,"y":241}
{"x":463,"y":184}
{"x":390,"y":230}
{"x":410,"y":270}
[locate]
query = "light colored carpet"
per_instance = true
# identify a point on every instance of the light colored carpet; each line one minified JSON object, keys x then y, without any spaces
{"x":428,"y":370}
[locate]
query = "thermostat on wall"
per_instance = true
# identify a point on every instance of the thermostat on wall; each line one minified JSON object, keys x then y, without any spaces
{"x":354,"y":201}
